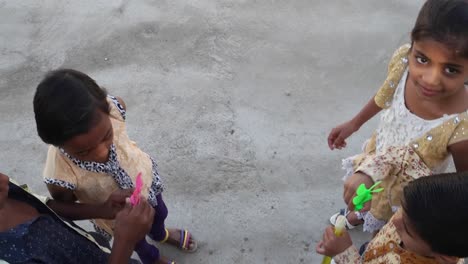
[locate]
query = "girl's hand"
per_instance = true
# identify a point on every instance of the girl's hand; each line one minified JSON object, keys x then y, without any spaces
{"x":336,"y":139}
{"x":132,"y":223}
{"x":350,"y":186}
{"x":114,"y":203}
{"x":332,"y":245}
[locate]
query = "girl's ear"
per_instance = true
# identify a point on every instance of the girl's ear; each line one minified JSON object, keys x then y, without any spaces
{"x":446,"y":259}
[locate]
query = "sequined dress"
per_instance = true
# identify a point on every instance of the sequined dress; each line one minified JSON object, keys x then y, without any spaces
{"x":404,"y":147}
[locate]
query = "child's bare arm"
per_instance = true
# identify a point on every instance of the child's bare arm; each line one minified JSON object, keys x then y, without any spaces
{"x":339,"y":134}
{"x":459,"y":153}
{"x":65,"y":205}
{"x":61,"y":193}
{"x":366,"y":113}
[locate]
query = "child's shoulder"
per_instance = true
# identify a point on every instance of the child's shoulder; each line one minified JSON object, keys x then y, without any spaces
{"x":118,"y":104}
{"x":403,"y":49}
{"x":396,"y":68}
{"x":460,"y":133}
{"x":399,"y":55}
{"x":118,"y":100}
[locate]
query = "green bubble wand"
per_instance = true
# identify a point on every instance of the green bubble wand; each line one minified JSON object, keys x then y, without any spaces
{"x":364,"y":195}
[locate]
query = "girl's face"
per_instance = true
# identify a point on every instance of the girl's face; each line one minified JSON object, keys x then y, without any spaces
{"x":95,"y":144}
{"x":436,"y":72}
{"x":411,"y":241}
{"x":4,"y":180}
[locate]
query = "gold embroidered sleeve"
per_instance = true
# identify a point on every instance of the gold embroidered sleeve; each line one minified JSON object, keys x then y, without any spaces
{"x":396,"y":68}
{"x":461,"y":131}
{"x":349,"y":256}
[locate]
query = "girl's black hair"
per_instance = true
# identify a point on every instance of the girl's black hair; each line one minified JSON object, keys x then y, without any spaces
{"x":445,"y":21}
{"x":66,"y":104}
{"x":437,"y":208}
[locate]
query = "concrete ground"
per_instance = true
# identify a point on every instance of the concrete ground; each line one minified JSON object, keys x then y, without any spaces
{"x":235,"y":99}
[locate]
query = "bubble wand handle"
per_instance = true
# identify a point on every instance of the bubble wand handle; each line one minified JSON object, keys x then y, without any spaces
{"x":135,"y":198}
{"x":339,"y":228}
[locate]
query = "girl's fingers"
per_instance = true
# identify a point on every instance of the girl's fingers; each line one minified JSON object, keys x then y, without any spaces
{"x":367,"y":207}
{"x":331,"y":140}
{"x":329,"y":233}
{"x":348,"y":196}
{"x":148,"y":209}
{"x":326,"y":235}
{"x":343,"y":143}
{"x":319,"y":248}
{"x":338,"y":141}
{"x":351,"y":205}
{"x":126,"y":209}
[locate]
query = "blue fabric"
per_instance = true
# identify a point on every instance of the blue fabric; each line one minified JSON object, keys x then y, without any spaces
{"x":46,"y":239}
{"x":43,"y":240}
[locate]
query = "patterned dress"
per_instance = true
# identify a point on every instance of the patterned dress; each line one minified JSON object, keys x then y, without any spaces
{"x":384,"y":248}
{"x":404,"y":147}
{"x":94,"y":182}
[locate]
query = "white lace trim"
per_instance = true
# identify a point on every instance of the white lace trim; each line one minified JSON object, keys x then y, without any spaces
{"x":398,"y":126}
{"x":372,"y":224}
{"x":348,"y":163}
{"x":348,"y":166}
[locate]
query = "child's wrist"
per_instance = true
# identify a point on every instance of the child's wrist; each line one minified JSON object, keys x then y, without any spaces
{"x":356,"y":124}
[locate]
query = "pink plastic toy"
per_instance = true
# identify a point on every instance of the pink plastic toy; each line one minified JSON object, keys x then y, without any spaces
{"x":135,"y":198}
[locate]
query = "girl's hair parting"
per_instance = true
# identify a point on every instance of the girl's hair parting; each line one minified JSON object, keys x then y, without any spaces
{"x":66,"y":104}
{"x":444,"y":21}
{"x":437,"y":208}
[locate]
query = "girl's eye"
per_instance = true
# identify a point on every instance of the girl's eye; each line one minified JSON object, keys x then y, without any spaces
{"x":451,"y":70}
{"x":421,"y":60}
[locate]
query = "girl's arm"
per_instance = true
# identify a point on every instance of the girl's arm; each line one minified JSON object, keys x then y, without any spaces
{"x":366,"y":113}
{"x":339,"y":134}
{"x":459,"y":153}
{"x":65,"y":205}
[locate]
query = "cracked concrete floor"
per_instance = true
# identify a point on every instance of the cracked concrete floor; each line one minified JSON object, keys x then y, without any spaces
{"x":234,"y":98}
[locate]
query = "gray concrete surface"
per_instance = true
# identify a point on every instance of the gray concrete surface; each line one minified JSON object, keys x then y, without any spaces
{"x":234,"y":98}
